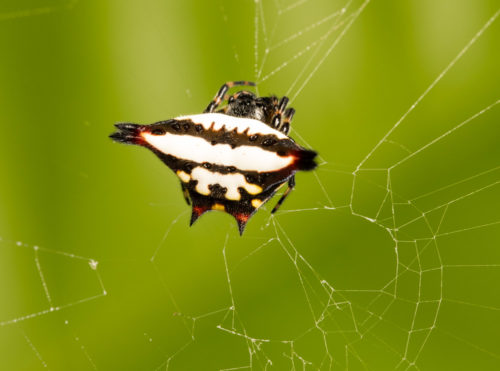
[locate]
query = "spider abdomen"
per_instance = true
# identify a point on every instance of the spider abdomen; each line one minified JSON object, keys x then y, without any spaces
{"x":225,"y":162}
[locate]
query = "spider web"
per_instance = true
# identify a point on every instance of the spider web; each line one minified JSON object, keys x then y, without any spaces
{"x":390,"y":262}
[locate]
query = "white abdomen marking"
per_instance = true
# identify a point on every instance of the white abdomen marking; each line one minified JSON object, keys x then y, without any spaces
{"x":230,"y":181}
{"x":246,"y":158}
{"x":230,"y":123}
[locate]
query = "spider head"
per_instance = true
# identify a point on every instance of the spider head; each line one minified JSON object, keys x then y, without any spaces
{"x":244,"y":104}
{"x":247,"y":104}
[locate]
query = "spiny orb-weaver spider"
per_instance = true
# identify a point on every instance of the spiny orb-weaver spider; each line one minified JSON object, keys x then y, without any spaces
{"x":232,"y":159}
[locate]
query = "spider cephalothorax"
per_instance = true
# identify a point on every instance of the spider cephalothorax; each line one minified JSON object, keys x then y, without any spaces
{"x":246,"y":104}
{"x":233,"y":159}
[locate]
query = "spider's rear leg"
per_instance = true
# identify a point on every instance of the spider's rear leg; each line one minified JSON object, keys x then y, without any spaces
{"x":287,"y":119}
{"x":220,"y":96}
{"x":291,"y":186}
{"x":185,"y":192}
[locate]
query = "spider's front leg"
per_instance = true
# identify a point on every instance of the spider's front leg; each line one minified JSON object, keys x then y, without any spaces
{"x":291,"y":186}
{"x":276,"y":120}
{"x":287,"y":119}
{"x":219,"y":97}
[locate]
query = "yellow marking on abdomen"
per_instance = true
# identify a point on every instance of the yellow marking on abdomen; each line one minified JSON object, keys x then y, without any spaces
{"x":218,"y":207}
{"x":256,"y":203}
{"x":253,"y":189}
{"x":185,"y":177}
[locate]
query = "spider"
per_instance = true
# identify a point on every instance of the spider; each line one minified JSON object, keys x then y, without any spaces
{"x":231,"y":159}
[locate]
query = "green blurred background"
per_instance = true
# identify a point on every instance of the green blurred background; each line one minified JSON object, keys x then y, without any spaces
{"x":373,"y":269}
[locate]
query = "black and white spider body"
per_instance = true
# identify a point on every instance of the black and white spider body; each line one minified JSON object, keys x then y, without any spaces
{"x":233,"y":159}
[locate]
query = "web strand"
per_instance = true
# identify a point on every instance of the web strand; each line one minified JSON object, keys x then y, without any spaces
{"x":432,"y":85}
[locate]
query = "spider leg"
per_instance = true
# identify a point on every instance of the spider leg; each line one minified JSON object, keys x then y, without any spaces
{"x":291,"y":186}
{"x":287,"y":119}
{"x":220,"y":96}
{"x":282,"y":104}
{"x":276,"y":120}
{"x":185,"y":192}
{"x":225,"y":108}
